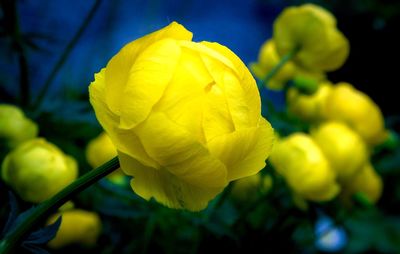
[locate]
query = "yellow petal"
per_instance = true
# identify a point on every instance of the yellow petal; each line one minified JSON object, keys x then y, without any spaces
{"x":118,"y":68}
{"x":148,"y":78}
{"x":178,"y":151}
{"x":166,"y":187}
{"x":184,"y":96}
{"x":124,"y":140}
{"x":245,"y":111}
{"x":244,"y":151}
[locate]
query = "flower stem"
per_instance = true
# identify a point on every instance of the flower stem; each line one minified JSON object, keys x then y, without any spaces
{"x":12,"y":29}
{"x":65,"y":54}
{"x":49,"y":206}
{"x":286,"y":58}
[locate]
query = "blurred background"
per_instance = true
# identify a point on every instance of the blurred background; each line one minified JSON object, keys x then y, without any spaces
{"x":57,"y":46}
{"x":48,"y":26}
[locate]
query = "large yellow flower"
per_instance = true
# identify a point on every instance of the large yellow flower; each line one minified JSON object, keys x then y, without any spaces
{"x":357,"y":110}
{"x":37,"y":170}
{"x":343,"y":147}
{"x":15,"y":128}
{"x":185,"y":117}
{"x":312,"y":30}
{"x":303,"y":165}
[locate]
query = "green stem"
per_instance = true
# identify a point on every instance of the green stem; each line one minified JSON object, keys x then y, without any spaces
{"x":12,"y":28}
{"x":43,"y":210}
{"x":65,"y":54}
{"x":149,"y":231}
{"x":286,"y":58}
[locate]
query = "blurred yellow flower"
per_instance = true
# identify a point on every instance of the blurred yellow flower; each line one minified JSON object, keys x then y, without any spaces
{"x":268,"y":58}
{"x":303,"y":165}
{"x":367,"y":182}
{"x":37,"y":170}
{"x":100,"y":150}
{"x":15,"y":128}
{"x":308,"y":107}
{"x":347,"y":104}
{"x":312,"y":31}
{"x":343,"y":147}
{"x":248,"y":188}
{"x":185,"y":117}
{"x":77,"y":227}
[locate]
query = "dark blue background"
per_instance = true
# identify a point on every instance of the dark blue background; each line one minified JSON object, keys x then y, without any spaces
{"x":242,"y":25}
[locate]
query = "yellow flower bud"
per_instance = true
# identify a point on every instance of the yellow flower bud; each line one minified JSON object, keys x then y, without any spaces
{"x":15,"y":128}
{"x":268,"y":58}
{"x":312,"y":30}
{"x":37,"y":170}
{"x":367,"y":181}
{"x":100,"y":150}
{"x":347,"y":104}
{"x":308,"y":107}
{"x":306,"y":170}
{"x":344,"y":148}
{"x":247,"y":188}
{"x":77,"y":227}
{"x":185,"y":117}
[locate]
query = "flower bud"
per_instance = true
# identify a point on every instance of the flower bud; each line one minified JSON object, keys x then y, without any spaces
{"x":306,"y":170}
{"x":357,"y":110}
{"x":367,"y":182}
{"x":312,"y":31}
{"x":268,"y":58}
{"x":77,"y":227}
{"x":15,"y":128}
{"x":185,"y":117}
{"x":343,"y":147}
{"x":37,"y":170}
{"x":248,"y":188}
{"x":308,"y":107}
{"x":99,"y":151}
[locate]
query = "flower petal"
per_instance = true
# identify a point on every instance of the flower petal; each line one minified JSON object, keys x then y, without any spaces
{"x":118,"y":68}
{"x":183,"y":99}
{"x":244,"y":151}
{"x":240,"y":88}
{"x":124,"y":140}
{"x":178,"y":152}
{"x":165,"y":187}
{"x":148,"y":78}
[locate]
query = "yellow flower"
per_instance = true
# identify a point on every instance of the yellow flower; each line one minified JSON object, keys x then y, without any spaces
{"x":15,"y":128}
{"x":306,"y":170}
{"x":368,"y":182}
{"x":37,"y":170}
{"x":185,"y":117}
{"x":77,"y":227}
{"x":347,"y":104}
{"x":100,"y":150}
{"x":343,"y":147}
{"x":248,"y":188}
{"x":268,"y":58}
{"x":308,"y":107}
{"x":312,"y":30}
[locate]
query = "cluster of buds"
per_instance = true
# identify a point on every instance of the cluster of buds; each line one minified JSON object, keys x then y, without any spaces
{"x":333,"y":157}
